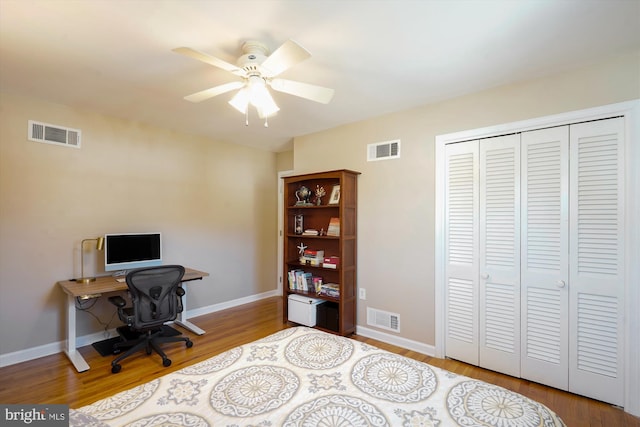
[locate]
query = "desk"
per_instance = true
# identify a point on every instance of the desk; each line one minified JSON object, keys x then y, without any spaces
{"x":103,"y":285}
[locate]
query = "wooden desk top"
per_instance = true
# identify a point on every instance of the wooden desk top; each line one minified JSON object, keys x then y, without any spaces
{"x":105,"y":284}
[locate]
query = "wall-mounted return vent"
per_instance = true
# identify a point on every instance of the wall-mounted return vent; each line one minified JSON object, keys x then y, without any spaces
{"x":383,"y":319}
{"x":383,"y":150}
{"x":54,"y":134}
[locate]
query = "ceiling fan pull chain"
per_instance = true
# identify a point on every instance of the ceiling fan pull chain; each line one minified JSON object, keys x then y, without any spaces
{"x":246,"y":117}
{"x":266,"y":122}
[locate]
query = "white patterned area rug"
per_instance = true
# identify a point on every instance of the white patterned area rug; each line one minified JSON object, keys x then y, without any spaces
{"x":304,"y":377}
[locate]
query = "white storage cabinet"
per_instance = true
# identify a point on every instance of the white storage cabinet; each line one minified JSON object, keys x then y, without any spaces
{"x":303,"y":309}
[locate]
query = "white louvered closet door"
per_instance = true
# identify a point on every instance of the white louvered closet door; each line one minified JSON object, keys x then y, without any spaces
{"x":461,"y":251}
{"x":596,"y":260}
{"x":499,"y":290}
{"x":534,"y":249}
{"x":545,"y":256}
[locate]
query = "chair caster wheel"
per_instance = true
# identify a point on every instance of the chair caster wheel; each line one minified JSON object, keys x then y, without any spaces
{"x":115,"y":368}
{"x":166,"y":362}
{"x":189,"y":344}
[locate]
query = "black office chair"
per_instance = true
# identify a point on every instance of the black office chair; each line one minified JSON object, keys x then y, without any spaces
{"x":157,"y":298}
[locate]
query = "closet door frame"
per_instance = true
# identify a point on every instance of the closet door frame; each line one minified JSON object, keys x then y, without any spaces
{"x":630,"y":110}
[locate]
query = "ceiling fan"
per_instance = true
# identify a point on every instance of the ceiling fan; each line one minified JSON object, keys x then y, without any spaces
{"x":258,"y":71}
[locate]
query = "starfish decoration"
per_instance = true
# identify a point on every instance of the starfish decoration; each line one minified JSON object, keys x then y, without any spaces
{"x":301,"y":247}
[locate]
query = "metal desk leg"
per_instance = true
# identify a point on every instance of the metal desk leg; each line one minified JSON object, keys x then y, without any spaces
{"x":182,"y":317}
{"x":70,"y":346}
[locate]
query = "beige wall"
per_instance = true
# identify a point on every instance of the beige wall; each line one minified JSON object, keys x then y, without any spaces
{"x":285,"y":161}
{"x":396,"y":199}
{"x":214,"y":203}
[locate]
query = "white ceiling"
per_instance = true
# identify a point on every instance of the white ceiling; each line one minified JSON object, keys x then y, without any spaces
{"x":380,"y":56}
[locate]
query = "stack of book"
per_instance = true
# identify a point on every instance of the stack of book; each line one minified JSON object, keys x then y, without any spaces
{"x":312,"y":257}
{"x":330,"y":290}
{"x":331,"y":262}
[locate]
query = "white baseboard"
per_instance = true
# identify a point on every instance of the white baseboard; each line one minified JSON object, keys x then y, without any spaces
{"x":233,"y":303}
{"x":427,"y":349}
{"x":58,"y":347}
{"x":52,"y":348}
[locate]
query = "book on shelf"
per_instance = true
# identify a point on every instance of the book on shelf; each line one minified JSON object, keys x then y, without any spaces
{"x":330,"y":290}
{"x":334,"y":227}
{"x":292,"y":276}
{"x":331,"y":262}
{"x":300,"y":280}
{"x":306,"y":282}
{"x":317,"y":284}
{"x":310,"y":232}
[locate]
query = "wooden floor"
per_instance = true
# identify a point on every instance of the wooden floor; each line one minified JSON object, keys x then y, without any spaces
{"x":53,"y":379}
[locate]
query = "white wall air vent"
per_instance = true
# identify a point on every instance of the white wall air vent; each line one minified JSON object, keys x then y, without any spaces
{"x":54,"y":134}
{"x":383,"y":150}
{"x":383,"y":319}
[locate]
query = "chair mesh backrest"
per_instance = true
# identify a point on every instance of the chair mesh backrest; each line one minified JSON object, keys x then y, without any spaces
{"x":153,"y":293}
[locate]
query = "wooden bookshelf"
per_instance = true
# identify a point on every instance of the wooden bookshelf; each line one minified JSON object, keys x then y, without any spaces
{"x":316,"y":216}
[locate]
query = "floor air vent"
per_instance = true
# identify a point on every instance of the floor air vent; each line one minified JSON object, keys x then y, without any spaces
{"x":383,"y":150}
{"x":383,"y":319}
{"x":54,"y":134}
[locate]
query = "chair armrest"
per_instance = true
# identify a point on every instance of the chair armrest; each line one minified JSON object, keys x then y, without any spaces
{"x":180,"y":293}
{"x":118,"y":301}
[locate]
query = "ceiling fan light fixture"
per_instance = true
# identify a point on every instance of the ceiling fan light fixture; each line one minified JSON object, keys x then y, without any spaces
{"x":256,"y":94}
{"x":241,"y":100}
{"x":266,"y":106}
{"x":260,"y":97}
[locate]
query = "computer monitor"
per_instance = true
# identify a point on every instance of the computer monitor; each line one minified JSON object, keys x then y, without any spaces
{"x":132,"y":250}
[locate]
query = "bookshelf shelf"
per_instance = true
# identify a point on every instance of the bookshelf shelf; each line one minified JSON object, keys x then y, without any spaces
{"x":314,"y":237}
{"x":314,"y":295}
{"x":297,"y":263}
{"x":342,"y":215}
{"x":313,"y":207}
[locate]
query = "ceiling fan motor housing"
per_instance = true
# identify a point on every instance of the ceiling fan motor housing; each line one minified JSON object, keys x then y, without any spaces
{"x":254,"y":54}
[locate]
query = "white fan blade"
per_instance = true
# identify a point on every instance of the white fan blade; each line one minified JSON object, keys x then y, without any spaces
{"x":211,"y":60}
{"x":214,"y":91}
{"x":303,"y":90}
{"x":287,"y":55}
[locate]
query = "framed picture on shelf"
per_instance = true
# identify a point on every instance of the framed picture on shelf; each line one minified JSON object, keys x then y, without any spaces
{"x":298,"y":226}
{"x":334,"y":199}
